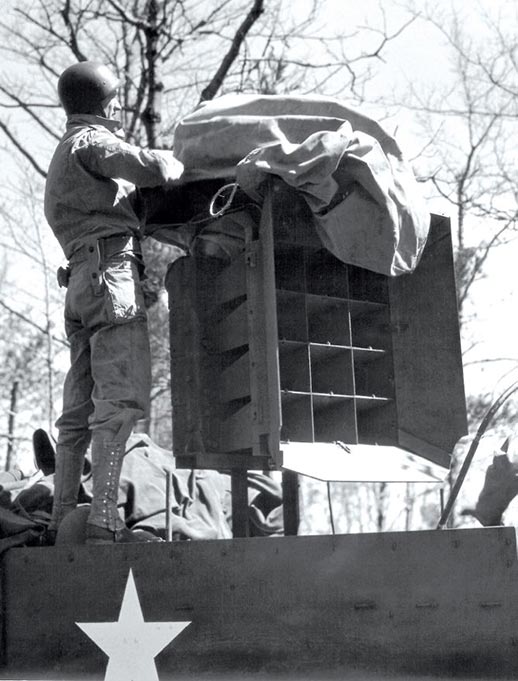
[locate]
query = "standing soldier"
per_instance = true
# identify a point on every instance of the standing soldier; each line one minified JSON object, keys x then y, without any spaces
{"x":90,"y":205}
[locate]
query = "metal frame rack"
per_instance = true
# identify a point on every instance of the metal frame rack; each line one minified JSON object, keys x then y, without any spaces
{"x":282,"y":342}
{"x":334,"y":348}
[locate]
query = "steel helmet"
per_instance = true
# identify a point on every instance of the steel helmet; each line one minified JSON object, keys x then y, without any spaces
{"x":84,"y":86}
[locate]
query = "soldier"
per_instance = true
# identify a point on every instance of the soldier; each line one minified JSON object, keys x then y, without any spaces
{"x":90,"y":205}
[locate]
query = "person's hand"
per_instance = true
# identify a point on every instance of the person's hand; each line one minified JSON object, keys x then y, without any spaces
{"x":173,"y":167}
{"x":500,"y":488}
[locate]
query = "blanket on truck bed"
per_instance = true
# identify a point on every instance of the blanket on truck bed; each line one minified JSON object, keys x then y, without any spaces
{"x":200,"y":502}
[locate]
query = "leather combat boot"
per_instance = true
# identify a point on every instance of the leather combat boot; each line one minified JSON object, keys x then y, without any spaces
{"x":104,"y":525}
{"x":101,"y":535}
{"x":107,"y":460}
{"x":44,"y":453}
{"x":67,"y":480}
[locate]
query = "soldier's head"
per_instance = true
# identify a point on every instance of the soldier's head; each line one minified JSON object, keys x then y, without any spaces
{"x":89,"y":87}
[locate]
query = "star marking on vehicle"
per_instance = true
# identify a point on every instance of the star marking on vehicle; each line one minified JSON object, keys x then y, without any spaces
{"x":131,"y":643}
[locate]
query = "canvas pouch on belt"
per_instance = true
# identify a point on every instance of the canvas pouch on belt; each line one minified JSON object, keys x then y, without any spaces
{"x":98,"y":252}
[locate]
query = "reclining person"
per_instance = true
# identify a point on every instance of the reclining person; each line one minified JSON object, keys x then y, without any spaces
{"x":200,"y":499}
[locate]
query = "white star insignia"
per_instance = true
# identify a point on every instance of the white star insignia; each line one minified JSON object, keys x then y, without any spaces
{"x":130,"y":643}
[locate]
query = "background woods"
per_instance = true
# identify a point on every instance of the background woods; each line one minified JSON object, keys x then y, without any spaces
{"x":453,"y":98}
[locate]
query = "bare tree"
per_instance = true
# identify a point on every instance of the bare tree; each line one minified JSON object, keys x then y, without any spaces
{"x":24,"y":382}
{"x":171,"y":55}
{"x":137,"y":40}
{"x":32,"y":342}
{"x":469,"y":130}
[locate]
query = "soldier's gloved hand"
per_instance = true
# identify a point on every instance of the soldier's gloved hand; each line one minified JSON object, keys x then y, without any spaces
{"x":172,"y":166}
{"x":500,"y":488}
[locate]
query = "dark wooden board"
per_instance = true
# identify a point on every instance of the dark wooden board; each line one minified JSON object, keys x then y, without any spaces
{"x":443,"y":602}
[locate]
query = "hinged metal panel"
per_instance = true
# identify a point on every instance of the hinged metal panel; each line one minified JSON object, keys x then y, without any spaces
{"x":428,"y":376}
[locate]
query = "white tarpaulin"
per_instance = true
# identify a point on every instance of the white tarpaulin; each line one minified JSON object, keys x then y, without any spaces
{"x":365,"y":200}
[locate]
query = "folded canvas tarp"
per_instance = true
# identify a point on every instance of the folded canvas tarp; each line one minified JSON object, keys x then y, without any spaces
{"x":366,"y":203}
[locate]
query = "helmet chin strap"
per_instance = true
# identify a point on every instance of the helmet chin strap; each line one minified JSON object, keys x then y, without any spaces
{"x":111,"y":117}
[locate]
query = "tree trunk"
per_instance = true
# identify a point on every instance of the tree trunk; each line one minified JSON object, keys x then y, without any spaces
{"x":381,"y":499}
{"x":151,"y":116}
{"x":11,"y":424}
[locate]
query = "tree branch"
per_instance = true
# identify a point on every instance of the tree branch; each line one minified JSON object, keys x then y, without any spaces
{"x":126,"y":18}
{"x":28,"y":109}
{"x":212,"y":88}
{"x":25,"y":319}
{"x":73,"y":43}
{"x":22,"y":150}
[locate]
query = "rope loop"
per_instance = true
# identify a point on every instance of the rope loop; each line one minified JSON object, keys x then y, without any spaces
{"x":216,"y":213}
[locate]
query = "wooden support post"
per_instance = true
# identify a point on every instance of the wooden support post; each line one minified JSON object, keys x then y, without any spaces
{"x":239,"y":488}
{"x":169,"y":503}
{"x":290,"y":495}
